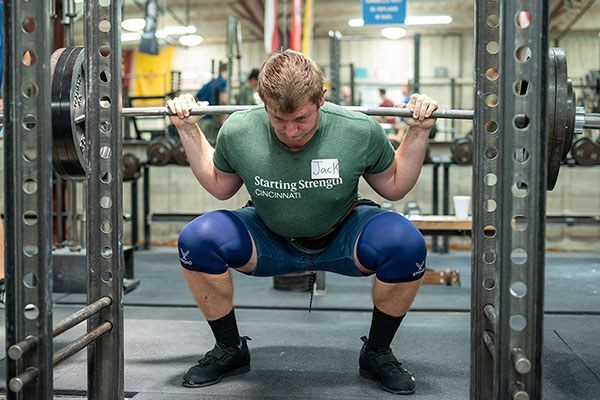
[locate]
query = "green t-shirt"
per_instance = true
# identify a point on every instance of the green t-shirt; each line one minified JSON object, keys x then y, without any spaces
{"x":303,"y":193}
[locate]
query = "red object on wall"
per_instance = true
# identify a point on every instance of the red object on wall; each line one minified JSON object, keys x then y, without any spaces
{"x":296,"y":26}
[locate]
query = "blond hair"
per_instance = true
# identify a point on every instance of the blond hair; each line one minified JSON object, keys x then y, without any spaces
{"x":288,"y":79}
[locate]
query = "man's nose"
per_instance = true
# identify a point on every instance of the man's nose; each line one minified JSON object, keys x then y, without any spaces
{"x":291,"y":129}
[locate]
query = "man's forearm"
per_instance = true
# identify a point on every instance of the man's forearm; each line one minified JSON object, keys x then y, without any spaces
{"x":200,"y":156}
{"x":409,"y":160}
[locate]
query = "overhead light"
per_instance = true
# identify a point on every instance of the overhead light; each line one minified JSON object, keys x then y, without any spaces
{"x":356,"y":22}
{"x":130,"y":36}
{"x":428,"y":20}
{"x":393,"y":32}
{"x":178,"y":30}
{"x":191,"y":40}
{"x":133,"y":24}
{"x":412,"y":20}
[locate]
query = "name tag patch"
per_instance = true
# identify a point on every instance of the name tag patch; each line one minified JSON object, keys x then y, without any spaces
{"x":325,"y":168}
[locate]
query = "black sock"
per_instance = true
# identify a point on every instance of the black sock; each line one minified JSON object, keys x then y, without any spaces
{"x":383,"y":329}
{"x":225,"y":330}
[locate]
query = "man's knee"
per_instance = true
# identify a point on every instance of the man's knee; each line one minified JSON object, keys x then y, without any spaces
{"x":213,"y":242}
{"x":392,"y":247}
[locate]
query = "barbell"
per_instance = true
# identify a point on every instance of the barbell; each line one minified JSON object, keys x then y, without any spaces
{"x":68,"y":113}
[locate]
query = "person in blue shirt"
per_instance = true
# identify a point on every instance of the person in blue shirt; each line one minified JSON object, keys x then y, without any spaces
{"x":215,"y":93}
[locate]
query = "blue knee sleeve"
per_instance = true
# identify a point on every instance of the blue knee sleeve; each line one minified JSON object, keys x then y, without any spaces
{"x":392,"y":247}
{"x":213,"y":242}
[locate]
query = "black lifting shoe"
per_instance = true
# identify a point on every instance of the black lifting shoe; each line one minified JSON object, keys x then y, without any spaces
{"x":382,"y":366}
{"x":217,"y":364}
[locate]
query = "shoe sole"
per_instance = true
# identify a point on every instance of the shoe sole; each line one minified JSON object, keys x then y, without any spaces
{"x":237,"y":371}
{"x":366,"y":374}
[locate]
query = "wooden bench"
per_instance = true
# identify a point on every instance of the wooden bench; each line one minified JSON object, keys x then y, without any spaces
{"x":441,"y":224}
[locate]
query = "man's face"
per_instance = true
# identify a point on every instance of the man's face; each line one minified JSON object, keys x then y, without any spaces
{"x":297,"y":128}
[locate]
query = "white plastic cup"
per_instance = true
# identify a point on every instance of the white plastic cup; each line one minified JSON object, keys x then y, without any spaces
{"x":461,"y":206}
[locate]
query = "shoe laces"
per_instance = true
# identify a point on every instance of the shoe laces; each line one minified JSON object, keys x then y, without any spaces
{"x":219,"y":351}
{"x":390,"y":366}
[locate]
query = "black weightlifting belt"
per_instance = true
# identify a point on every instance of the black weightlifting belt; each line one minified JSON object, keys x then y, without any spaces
{"x":317,"y":243}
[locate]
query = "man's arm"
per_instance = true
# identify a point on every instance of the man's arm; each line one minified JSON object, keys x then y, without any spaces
{"x":199,"y":152}
{"x":400,"y":177}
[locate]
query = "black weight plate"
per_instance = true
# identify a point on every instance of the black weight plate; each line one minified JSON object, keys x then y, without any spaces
{"x":179,"y":155}
{"x":66,"y":160}
{"x":571,"y":110}
{"x":68,"y":101}
{"x":160,"y":151}
{"x":586,"y":152}
{"x":462,"y":151}
{"x":131,"y":167}
{"x":295,"y":282}
{"x":59,"y":152}
{"x":551,"y":116}
{"x":560,"y":117}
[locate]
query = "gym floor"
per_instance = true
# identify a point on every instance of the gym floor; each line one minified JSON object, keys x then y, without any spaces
{"x":301,"y":355}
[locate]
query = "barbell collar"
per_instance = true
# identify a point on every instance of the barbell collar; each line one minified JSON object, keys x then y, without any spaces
{"x":590,"y":121}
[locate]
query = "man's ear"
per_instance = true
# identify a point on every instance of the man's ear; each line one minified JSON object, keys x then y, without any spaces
{"x":322,"y":99}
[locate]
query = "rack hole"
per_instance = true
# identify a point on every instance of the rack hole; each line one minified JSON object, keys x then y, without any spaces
{"x":104,"y":26}
{"x":520,"y":189}
{"x":518,"y":256}
{"x":518,"y":289}
{"x":105,"y":152}
{"x":30,"y":186}
{"x":521,"y":121}
{"x":489,"y":257}
{"x":105,"y":50}
{"x":30,"y":154}
{"x":521,"y":155}
{"x":490,"y":179}
{"x":31,"y":311}
{"x":106,"y":276}
{"x":493,"y":21}
{"x":30,"y":249}
{"x":106,"y":252}
{"x":491,"y":100}
{"x":489,"y":231}
{"x":104,"y":76}
{"x":519,"y":223}
{"x":28,"y":25}
{"x":492,"y":47}
{"x":491,"y":153}
{"x":523,"y":54}
{"x":105,"y":202}
{"x":106,"y":227}
{"x":29,"y":121}
{"x":29,"y":90}
{"x":491,"y":126}
{"x":30,"y":280}
{"x":521,"y":87}
{"x":489,"y":283}
{"x":517,"y":323}
{"x":492,"y":74}
{"x":28,"y":58}
{"x":105,"y":127}
{"x":490,"y":205}
{"x":30,"y":218}
{"x":106,"y":177}
{"x":523,"y":19}
{"x":105,"y":102}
